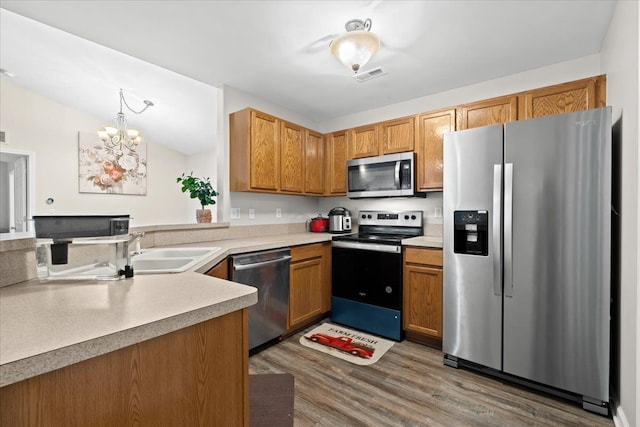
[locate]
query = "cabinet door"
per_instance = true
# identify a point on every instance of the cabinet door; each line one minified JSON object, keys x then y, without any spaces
{"x":563,"y":98}
{"x":338,"y":154}
{"x":431,"y":128}
{"x":397,"y":135}
{"x":489,"y":112}
{"x":423,"y":300}
{"x":265,"y":151}
{"x":364,"y":142}
{"x":221,"y":270}
{"x":291,"y":158}
{"x":314,"y":163}
{"x":305,"y":294}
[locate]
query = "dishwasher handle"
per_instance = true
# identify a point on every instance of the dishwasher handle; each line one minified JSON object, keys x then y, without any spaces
{"x":261,"y":263}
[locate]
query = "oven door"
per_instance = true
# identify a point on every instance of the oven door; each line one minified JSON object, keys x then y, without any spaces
{"x":367,"y":273}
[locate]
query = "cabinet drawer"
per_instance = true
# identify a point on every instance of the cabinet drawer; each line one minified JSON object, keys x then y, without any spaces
{"x":299,"y":253}
{"x":423,"y":256}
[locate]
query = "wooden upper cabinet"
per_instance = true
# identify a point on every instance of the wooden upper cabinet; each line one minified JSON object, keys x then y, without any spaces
{"x":254,"y":151}
{"x":314,"y":163}
{"x":397,"y":135}
{"x":364,"y":141}
{"x":431,"y":129}
{"x":563,"y":98}
{"x":292,"y":148}
{"x":337,"y":156}
{"x":488,"y":112}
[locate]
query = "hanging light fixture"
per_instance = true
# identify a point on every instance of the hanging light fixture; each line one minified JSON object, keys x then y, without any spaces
{"x":119,"y":136}
{"x":355,"y":47}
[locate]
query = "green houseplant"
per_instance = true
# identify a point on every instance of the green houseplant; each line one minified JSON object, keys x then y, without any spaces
{"x":201,"y":189}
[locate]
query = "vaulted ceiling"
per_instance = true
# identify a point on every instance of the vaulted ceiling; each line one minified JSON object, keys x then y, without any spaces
{"x":176,"y":53}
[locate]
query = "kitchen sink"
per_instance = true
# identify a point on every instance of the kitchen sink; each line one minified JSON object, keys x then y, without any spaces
{"x":176,"y":252}
{"x":169,"y":260}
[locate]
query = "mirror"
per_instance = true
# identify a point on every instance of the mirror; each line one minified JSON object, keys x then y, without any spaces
{"x":16,"y":193}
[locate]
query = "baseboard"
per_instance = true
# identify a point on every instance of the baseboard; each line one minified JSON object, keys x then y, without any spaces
{"x":619,"y":418}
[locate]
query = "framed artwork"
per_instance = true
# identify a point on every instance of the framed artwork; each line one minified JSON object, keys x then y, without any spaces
{"x":105,"y":170}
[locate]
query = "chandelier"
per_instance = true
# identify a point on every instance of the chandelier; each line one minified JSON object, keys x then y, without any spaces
{"x":119,"y":136}
{"x":355,"y":47}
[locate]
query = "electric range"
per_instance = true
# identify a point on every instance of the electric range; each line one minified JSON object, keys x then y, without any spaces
{"x":367,"y":272}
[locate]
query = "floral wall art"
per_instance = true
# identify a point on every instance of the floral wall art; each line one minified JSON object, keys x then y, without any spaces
{"x":105,"y":170}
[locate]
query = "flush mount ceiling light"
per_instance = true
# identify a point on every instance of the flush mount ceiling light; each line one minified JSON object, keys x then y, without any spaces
{"x":355,"y":47}
{"x":119,"y":136}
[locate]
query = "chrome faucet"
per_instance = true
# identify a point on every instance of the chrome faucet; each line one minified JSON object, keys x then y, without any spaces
{"x":128,"y":269}
{"x":135,"y":237}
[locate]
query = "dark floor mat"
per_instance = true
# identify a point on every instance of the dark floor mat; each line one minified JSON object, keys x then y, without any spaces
{"x":271,"y":400}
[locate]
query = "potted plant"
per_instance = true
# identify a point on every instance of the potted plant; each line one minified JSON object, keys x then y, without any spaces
{"x":201,"y":189}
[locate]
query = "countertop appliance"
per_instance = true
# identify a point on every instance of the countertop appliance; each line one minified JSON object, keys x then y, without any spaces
{"x":527,"y":253}
{"x":268,"y":271}
{"x":82,"y":247}
{"x":339,"y":220}
{"x":366,"y":288}
{"x":391,"y":175}
{"x":318,"y":224}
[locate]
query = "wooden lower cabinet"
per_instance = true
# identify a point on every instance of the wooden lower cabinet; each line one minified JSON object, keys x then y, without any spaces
{"x":422,"y":295}
{"x":309,"y":284}
{"x":220,"y":270}
{"x":196,"y":376}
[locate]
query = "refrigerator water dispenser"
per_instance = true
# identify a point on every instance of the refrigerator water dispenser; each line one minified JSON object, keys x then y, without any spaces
{"x":471,"y":232}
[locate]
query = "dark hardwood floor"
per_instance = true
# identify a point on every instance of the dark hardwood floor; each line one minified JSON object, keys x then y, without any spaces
{"x":408,"y":386}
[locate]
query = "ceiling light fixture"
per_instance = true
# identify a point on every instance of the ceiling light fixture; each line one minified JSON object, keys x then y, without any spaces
{"x":355,"y":47}
{"x":120,"y":136}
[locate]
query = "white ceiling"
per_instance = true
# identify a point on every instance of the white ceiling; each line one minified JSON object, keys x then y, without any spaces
{"x":278,"y":51}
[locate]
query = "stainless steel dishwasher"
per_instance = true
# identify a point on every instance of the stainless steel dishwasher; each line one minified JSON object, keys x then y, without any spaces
{"x":268,"y":271}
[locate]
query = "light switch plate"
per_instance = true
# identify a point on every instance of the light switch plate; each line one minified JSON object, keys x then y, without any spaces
{"x":235,"y":213}
{"x":252,"y":214}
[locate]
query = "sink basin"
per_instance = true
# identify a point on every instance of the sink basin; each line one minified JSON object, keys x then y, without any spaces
{"x":169,"y":260}
{"x":176,"y":252}
{"x":167,"y":265}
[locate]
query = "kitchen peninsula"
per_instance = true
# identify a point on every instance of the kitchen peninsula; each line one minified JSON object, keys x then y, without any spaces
{"x":137,"y":348}
{"x":152,"y":349}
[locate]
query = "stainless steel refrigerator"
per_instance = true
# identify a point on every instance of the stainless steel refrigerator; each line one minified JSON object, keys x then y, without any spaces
{"x":527,"y":252}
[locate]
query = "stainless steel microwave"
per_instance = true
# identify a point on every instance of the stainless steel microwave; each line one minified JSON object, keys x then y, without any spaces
{"x":391,"y":175}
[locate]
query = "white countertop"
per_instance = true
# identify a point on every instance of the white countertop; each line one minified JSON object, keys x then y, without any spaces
{"x":424,"y":241}
{"x":46,"y":326}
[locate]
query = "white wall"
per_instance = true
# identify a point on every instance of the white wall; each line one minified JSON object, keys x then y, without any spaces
{"x":49,"y":129}
{"x":620,"y":61}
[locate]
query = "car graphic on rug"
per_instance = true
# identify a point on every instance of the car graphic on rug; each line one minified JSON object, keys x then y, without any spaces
{"x":343,"y":344}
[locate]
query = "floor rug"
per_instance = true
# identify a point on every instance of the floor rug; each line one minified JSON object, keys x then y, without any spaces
{"x":271,"y":400}
{"x":347,"y":344}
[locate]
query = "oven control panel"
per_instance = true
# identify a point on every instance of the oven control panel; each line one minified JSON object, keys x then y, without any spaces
{"x":391,"y":218}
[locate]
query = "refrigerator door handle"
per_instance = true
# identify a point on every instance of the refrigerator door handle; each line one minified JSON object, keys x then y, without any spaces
{"x":497,"y":250}
{"x":508,"y":230}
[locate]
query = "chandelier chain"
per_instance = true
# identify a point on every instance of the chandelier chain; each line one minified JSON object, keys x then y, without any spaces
{"x":122,"y":100}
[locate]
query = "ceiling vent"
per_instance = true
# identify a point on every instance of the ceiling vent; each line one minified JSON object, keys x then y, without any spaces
{"x":370,"y":74}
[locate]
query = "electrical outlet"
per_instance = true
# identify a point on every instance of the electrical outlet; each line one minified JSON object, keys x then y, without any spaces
{"x":252,"y":214}
{"x":235,"y":213}
{"x":438,"y":212}
{"x":278,"y":213}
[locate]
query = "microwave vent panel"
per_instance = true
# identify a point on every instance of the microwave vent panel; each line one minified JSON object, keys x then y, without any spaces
{"x":364,"y":76}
